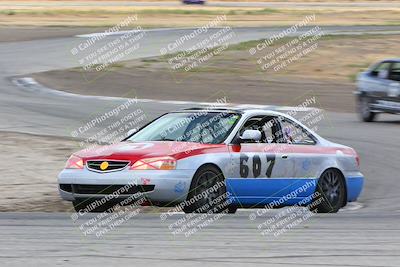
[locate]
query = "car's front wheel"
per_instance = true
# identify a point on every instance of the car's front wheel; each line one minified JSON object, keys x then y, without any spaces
{"x":330,"y":193}
{"x":208,"y":193}
{"x":364,"y":109}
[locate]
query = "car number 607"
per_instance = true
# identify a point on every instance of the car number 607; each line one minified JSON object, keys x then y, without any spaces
{"x":244,"y":168}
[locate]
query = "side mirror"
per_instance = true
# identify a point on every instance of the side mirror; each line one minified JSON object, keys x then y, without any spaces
{"x":251,"y":135}
{"x":132,"y":131}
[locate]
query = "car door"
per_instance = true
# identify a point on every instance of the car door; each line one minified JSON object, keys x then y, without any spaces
{"x":302,"y":148}
{"x":393,"y":91}
{"x":262,"y":170}
{"x":377,"y":81}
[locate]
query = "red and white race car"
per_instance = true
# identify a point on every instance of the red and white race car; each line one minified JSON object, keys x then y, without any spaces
{"x":195,"y":158}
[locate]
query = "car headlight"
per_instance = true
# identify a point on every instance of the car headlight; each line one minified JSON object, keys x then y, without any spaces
{"x":158,"y":163}
{"x":74,"y":162}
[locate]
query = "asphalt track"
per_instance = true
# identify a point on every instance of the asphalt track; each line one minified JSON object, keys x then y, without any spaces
{"x":344,"y":239}
{"x":365,"y":234}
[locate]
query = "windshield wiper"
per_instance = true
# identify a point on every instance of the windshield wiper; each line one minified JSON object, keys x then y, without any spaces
{"x":165,"y":139}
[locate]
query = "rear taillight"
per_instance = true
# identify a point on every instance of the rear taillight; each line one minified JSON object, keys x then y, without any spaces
{"x":74,"y":162}
{"x":358,"y":160}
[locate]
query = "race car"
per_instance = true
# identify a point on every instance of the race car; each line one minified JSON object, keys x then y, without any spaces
{"x":379,"y":90}
{"x":216,"y":160}
{"x":194,"y":2}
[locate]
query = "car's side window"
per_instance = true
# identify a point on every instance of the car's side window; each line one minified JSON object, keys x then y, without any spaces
{"x":268,"y":126}
{"x":395,"y":72}
{"x":271,"y":130}
{"x":382,"y":70}
{"x":295,"y":134}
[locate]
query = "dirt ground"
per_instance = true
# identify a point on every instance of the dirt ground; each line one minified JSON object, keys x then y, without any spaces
{"x":328,"y":72}
{"x":32,"y":186}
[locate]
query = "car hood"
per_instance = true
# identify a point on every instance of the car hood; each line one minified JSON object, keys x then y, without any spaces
{"x":133,"y":151}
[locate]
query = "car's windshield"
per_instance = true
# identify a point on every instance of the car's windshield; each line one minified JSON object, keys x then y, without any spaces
{"x":200,"y":127}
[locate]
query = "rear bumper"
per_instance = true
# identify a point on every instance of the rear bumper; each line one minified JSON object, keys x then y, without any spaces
{"x":160,"y":185}
{"x":354,"y":186}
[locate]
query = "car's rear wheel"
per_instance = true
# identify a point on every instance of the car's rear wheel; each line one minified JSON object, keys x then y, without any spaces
{"x":330,"y":192}
{"x":208,"y":193}
{"x":90,"y":205}
{"x":364,"y":109}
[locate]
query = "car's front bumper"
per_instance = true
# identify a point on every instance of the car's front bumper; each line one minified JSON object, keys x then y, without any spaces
{"x":169,"y":186}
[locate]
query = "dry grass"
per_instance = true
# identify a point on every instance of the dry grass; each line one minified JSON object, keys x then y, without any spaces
{"x":338,"y":58}
{"x":184,"y":16}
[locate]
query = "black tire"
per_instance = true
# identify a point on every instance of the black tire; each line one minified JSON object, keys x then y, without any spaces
{"x":84,"y":205}
{"x":364,"y":109}
{"x":202,"y":185}
{"x":232,"y":209}
{"x":330,"y":193}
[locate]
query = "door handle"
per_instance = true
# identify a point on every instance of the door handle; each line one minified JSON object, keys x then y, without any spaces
{"x":284,"y":156}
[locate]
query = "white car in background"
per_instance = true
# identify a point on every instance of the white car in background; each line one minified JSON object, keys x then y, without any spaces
{"x":379,"y":89}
